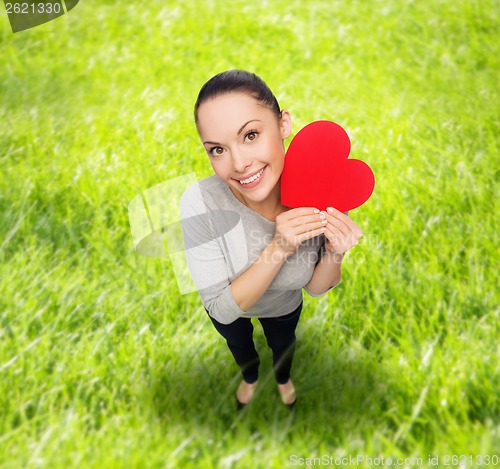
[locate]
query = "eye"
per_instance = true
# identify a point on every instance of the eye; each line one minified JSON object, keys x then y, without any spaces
{"x":252,"y":135}
{"x":218,"y":151}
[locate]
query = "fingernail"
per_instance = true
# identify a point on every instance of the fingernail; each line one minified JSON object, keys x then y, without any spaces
{"x":316,"y":210}
{"x":330,"y":209}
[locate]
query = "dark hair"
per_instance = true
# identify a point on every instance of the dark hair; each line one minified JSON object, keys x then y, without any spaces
{"x":237,"y":81}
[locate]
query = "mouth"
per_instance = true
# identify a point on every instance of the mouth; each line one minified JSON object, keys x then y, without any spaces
{"x":253,"y":180}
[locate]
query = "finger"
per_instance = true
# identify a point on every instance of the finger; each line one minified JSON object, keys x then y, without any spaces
{"x":332,"y":239}
{"x":345,"y":219}
{"x":339,"y":228}
{"x":344,"y":242}
{"x":346,"y":230}
{"x":300,"y":211}
{"x":310,"y":234}
{"x":304,"y":227}
{"x":333,"y":235}
{"x":340,"y":241}
{"x":338,"y":224}
{"x":307,"y":219}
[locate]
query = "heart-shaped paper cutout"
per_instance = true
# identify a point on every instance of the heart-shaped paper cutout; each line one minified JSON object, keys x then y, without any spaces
{"x":317,"y":171}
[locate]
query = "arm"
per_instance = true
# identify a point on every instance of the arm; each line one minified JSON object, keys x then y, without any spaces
{"x":292,"y":228}
{"x":327,"y":274}
{"x":248,"y":288}
{"x":206,"y":257}
{"x":207,"y":261}
{"x":341,"y":235}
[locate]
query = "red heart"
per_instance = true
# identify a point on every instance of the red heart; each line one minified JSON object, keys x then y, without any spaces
{"x":317,"y":171}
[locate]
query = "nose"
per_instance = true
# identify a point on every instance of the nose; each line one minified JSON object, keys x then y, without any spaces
{"x":241,"y":161}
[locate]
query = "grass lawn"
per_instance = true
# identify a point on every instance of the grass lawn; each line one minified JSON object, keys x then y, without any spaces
{"x":104,"y":364}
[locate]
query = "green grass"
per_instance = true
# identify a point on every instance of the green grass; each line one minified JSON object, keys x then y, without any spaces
{"x":104,"y":364}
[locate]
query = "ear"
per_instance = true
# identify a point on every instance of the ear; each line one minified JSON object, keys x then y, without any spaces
{"x":285,"y":124}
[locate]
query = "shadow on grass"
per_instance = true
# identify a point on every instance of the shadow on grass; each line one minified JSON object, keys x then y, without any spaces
{"x":338,"y":394}
{"x":345,"y":393}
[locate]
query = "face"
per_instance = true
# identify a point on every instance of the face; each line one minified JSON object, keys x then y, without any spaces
{"x":244,"y":139}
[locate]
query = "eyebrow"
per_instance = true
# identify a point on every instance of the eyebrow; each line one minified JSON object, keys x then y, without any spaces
{"x":239,"y":131}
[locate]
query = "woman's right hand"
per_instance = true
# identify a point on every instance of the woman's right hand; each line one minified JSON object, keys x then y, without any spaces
{"x":295,"y":226}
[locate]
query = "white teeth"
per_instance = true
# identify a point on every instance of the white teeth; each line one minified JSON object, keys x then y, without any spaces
{"x":253,"y":178}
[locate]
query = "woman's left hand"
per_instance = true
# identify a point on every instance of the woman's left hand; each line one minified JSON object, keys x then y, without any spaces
{"x":341,"y":232}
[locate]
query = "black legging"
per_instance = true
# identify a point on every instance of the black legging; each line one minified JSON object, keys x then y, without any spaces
{"x":280,"y":335}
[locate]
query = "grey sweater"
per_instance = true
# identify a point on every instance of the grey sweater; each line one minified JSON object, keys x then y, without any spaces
{"x":223,"y":238}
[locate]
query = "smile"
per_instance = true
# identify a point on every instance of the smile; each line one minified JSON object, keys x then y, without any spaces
{"x":253,"y":178}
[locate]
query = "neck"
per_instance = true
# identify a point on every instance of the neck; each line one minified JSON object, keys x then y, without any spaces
{"x":269,"y":207}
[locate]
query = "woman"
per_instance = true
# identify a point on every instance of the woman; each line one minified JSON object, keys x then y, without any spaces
{"x":249,"y":255}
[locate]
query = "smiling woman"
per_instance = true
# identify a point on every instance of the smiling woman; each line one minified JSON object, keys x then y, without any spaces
{"x":247,"y":154}
{"x":259,"y":267}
